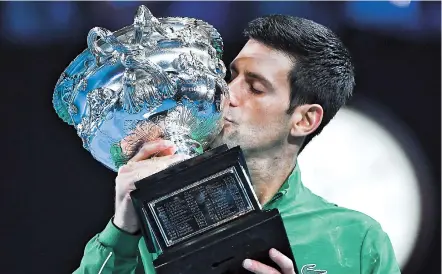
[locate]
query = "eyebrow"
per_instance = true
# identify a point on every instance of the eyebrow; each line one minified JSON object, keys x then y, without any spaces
{"x":253,"y":75}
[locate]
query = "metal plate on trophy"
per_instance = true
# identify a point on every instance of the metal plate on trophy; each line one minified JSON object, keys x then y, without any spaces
{"x":200,"y":206}
{"x":202,"y":197}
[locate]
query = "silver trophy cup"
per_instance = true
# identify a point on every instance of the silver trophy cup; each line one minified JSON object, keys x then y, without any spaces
{"x":157,"y":78}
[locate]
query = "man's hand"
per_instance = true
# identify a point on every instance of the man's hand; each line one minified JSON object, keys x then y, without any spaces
{"x":284,"y":263}
{"x":142,"y":165}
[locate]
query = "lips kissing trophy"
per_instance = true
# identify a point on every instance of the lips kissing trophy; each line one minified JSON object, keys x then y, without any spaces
{"x":164,"y":78}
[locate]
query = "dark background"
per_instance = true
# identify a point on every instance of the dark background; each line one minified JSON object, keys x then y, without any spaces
{"x":55,"y":196}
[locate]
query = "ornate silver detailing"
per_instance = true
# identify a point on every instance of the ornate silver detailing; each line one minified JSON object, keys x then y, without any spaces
{"x":156,"y":78}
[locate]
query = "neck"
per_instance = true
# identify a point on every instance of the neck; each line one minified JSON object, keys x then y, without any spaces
{"x":269,"y":172}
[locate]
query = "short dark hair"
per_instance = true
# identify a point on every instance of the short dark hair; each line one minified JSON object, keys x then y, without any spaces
{"x":322,"y":73}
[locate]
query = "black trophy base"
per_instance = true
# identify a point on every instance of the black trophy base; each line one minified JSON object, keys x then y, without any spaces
{"x":252,"y":237}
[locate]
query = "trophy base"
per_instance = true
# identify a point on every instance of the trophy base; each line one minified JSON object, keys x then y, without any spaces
{"x":223,"y":252}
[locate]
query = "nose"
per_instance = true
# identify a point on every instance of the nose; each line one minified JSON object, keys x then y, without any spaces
{"x":234,"y":93}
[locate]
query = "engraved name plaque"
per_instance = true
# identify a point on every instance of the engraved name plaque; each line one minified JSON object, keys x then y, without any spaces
{"x":200,"y":206}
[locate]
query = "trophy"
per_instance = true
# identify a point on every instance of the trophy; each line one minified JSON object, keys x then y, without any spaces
{"x":163,"y":78}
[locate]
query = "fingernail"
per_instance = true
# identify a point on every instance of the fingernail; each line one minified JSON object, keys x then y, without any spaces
{"x":273,"y":253}
{"x":247,"y":263}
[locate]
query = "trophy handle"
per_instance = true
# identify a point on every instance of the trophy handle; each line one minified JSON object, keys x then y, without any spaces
{"x":105,"y":46}
{"x":103,"y":43}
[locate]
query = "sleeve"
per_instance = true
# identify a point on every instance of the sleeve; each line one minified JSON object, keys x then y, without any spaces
{"x":377,"y":254}
{"x":112,"y":251}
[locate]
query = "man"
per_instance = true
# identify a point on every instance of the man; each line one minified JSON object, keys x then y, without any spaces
{"x":287,"y":83}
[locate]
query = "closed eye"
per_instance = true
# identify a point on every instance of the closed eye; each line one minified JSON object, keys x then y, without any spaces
{"x":255,"y":91}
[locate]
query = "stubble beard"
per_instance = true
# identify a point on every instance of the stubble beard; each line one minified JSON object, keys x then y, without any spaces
{"x":231,"y":139}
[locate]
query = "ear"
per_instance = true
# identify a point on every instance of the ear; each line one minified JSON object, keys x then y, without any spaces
{"x":306,"y":119}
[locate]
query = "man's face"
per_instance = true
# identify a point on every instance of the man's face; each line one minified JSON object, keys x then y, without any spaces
{"x":256,"y":118}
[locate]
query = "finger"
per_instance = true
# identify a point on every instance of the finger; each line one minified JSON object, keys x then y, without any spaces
{"x":258,"y":268}
{"x":168,"y":151}
{"x":124,"y":184}
{"x":137,"y":171}
{"x":151,"y":148}
{"x":155,"y":165}
{"x":284,"y":262}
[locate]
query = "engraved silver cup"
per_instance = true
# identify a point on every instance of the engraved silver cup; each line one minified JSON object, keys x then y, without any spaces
{"x":157,"y":78}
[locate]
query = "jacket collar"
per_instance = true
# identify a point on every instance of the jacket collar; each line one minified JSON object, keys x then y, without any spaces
{"x":289,"y":190}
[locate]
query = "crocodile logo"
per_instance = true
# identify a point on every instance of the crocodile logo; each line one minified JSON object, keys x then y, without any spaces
{"x":310,"y":269}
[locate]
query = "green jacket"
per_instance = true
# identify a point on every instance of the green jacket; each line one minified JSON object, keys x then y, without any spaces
{"x":322,"y":235}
